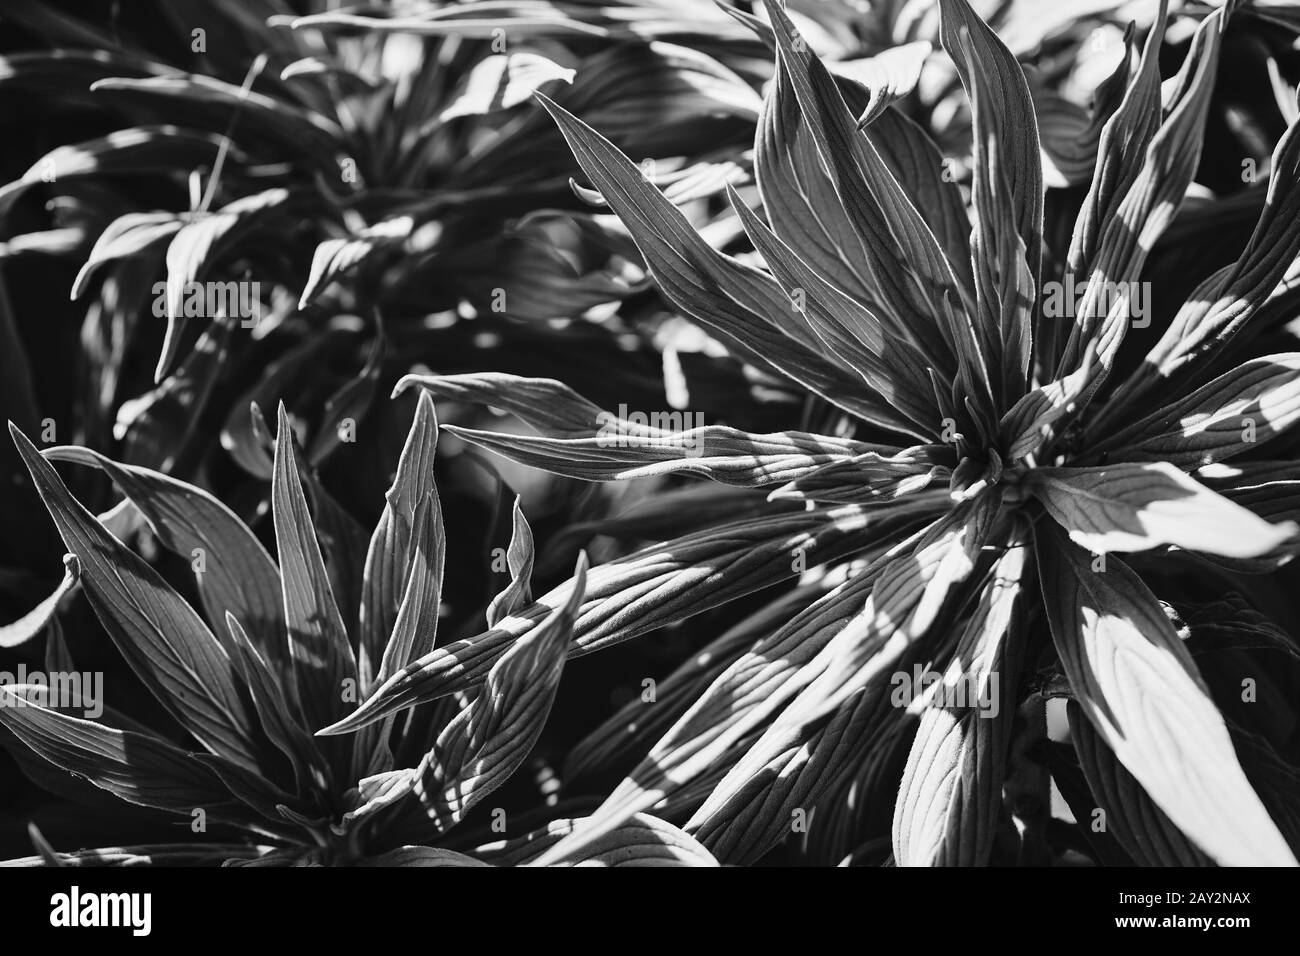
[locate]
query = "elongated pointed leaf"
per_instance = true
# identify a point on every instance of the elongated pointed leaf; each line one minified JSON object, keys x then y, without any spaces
{"x":728,"y":716}
{"x":136,"y":149}
{"x":389,"y":558}
{"x":1220,"y":308}
{"x":848,"y":676}
{"x":277,"y":714}
{"x":190,"y":251}
{"x":652,"y":588}
{"x":162,"y":638}
{"x":421,"y":856}
{"x":951,"y":795}
{"x":609,"y":447}
{"x":318,"y":642}
{"x":634,"y":727}
{"x":135,"y":767}
{"x":1007,"y":194}
{"x":643,"y":841}
{"x":1144,"y":209}
{"x":847,"y":329}
{"x":334,"y":258}
{"x":519,"y":560}
{"x":1138,"y":686}
{"x":503,"y":81}
{"x":1133,"y":507}
{"x":1257,"y":401}
{"x":918,"y":285}
{"x":1005,"y":130}
{"x":486,"y":742}
{"x":416,"y":627}
{"x":133,"y":234}
{"x":1145,"y":832}
{"x":731,"y":300}
{"x":233,"y":571}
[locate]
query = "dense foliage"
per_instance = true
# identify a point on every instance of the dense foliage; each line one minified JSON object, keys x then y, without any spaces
{"x":911,"y":383}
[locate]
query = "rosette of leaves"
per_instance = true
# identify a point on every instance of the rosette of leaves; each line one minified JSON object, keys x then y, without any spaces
{"x":989,"y":505}
{"x":272,"y":657}
{"x":342,"y":168}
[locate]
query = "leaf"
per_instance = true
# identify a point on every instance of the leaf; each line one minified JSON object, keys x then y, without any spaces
{"x":134,"y":767}
{"x":212,"y":103}
{"x":503,"y":81}
{"x":729,"y":299}
{"x":57,"y":656}
{"x":133,"y":234}
{"x":245,"y":434}
{"x":1230,"y":622}
{"x":233,"y":571}
{"x":1147,"y":159}
{"x":1134,"y":507}
{"x":138,"y":149}
{"x":334,"y":258}
{"x":847,"y":675}
{"x":162,"y":638}
{"x":1257,"y":401}
{"x":1005,"y":129}
{"x":601,"y":446}
{"x":1222,"y":306}
{"x":889,"y":76}
{"x":519,"y":559}
{"x":1139,"y":688}
{"x":275,"y":711}
{"x":636,"y":93}
{"x":36,"y":620}
{"x":454,"y":21}
{"x":416,"y":628}
{"x":420,"y":856}
{"x":68,"y":73}
{"x":917,"y":284}
{"x":628,"y":731}
{"x":841,"y":646}
{"x":318,"y":643}
{"x":627,"y":597}
{"x":848,"y":330}
{"x":757,"y":818}
{"x":1139,"y":825}
{"x":801,"y":200}
{"x":728,"y":716}
{"x":918,"y":165}
{"x":342,"y":541}
{"x":950,"y":798}
{"x":620,"y":453}
{"x":871,"y":478}
{"x":391,"y":553}
{"x":1124,"y":138}
{"x":191,"y":250}
{"x":487,"y":741}
{"x":1141,"y":212}
{"x":42,"y":845}
{"x":1007,"y":193}
{"x":643,"y":841}
{"x":158,"y":428}
{"x":167,"y":854}
{"x":546,"y":404}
